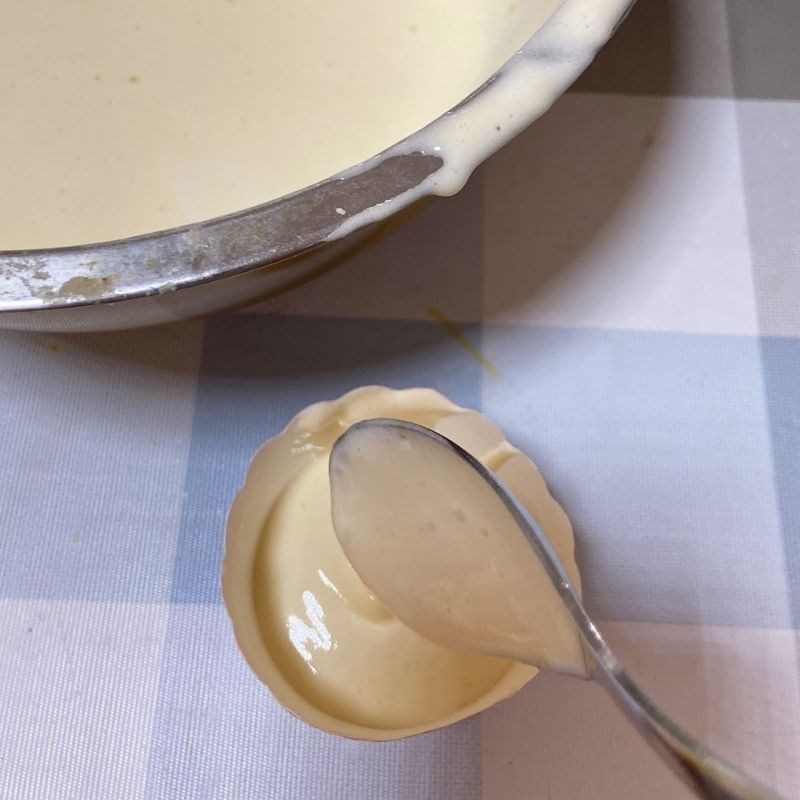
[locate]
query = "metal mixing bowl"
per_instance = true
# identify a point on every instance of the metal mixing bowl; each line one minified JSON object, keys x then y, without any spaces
{"x":206,"y":266}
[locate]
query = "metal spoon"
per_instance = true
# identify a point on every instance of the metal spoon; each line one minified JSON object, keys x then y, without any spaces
{"x":708,"y":775}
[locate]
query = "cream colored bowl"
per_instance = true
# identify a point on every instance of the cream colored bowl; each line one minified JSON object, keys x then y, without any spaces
{"x":304,"y":445}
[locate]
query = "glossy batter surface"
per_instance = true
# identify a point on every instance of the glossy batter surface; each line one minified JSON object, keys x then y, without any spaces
{"x":336,"y":643}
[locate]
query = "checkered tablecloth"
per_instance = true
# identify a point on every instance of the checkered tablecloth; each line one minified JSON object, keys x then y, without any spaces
{"x":630,"y":270}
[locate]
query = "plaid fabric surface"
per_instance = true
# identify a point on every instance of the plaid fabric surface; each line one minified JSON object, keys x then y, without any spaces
{"x":630,"y":270}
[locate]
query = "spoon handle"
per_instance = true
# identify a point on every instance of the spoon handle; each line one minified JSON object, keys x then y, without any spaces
{"x":708,"y":775}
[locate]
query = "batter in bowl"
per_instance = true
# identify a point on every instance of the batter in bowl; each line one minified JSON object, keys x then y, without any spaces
{"x":123,"y":118}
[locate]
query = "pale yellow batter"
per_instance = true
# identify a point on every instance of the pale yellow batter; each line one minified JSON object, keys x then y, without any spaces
{"x":326,"y":647}
{"x":338,"y":645}
{"x":122,"y":118}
